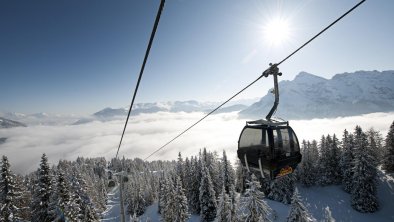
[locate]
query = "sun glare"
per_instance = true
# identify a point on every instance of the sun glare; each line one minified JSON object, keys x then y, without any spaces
{"x":276,"y":31}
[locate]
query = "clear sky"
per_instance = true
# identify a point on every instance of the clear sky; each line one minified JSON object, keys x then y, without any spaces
{"x":73,"y":56}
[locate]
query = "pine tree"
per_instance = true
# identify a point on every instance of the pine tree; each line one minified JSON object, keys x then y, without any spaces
{"x":323,"y":172}
{"x":64,"y":201}
{"x":233,"y":204}
{"x":10,"y":194}
{"x":335,"y":156}
{"x":388,"y":163}
{"x":329,"y":161}
{"x":42,"y":207}
{"x":228,"y":174}
{"x":207,"y":196}
{"x":213,"y":166}
{"x":168,"y":210}
{"x":224,"y":208}
{"x":281,"y":189}
{"x":160,"y":196}
{"x":188,"y":181}
{"x":195,"y":177}
{"x":252,"y":206}
{"x":181,"y":206}
{"x":306,"y":170}
{"x":23,"y":203}
{"x":298,"y":212}
{"x":239,"y":176}
{"x":364,"y":190}
{"x":180,"y":168}
{"x":137,"y":203}
{"x":87,"y":212}
{"x":375,"y":141}
{"x":347,"y":161}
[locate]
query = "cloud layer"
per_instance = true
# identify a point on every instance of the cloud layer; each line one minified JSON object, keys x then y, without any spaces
{"x":148,"y":132}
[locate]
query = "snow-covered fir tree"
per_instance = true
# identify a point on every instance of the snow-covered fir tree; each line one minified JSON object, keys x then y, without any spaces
{"x":282,"y":188}
{"x":233,"y":203}
{"x":388,"y":163}
{"x":42,"y":206}
{"x":224,"y":208}
{"x":181,"y":205}
{"x":176,"y":206}
{"x":188,"y":180}
{"x":252,"y":206}
{"x":10,"y":194}
{"x":195,"y":178}
{"x":323,"y":162}
{"x":159,"y":197}
{"x":180,"y":171}
{"x":24,"y":200}
{"x":335,"y":156}
{"x":64,"y":198}
{"x":347,"y":161}
{"x":228,"y":174}
{"x":364,"y":186}
{"x":376,"y":147}
{"x":207,"y":196}
{"x":307,"y":168}
{"x":136,"y":202}
{"x":88,"y":211}
{"x":329,"y":161}
{"x":167,"y":199}
{"x":298,"y":212}
{"x":213,"y":166}
{"x":239,"y":176}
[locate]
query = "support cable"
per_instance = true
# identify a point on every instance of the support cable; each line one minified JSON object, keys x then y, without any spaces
{"x":265,"y":74}
{"x":152,"y":36}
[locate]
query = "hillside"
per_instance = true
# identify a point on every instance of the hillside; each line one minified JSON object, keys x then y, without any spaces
{"x":309,"y":96}
{"x":315,"y":199}
{"x":7,"y":123}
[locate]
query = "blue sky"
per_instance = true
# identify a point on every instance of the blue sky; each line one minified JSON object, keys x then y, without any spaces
{"x":73,"y":56}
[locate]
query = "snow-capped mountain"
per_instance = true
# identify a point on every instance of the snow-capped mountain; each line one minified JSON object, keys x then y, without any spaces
{"x":177,"y":106}
{"x":41,"y":118}
{"x":309,"y":96}
{"x":7,"y":123}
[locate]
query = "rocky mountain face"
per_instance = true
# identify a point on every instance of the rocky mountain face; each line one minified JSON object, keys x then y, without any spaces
{"x":309,"y":96}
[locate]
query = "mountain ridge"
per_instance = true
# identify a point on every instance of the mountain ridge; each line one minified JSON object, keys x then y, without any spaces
{"x":7,"y":123}
{"x":309,"y":96}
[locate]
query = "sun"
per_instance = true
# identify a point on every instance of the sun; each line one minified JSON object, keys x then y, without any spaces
{"x":277,"y":31}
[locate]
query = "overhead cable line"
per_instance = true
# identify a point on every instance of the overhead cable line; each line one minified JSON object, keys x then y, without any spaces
{"x":152,"y":36}
{"x":263,"y":74}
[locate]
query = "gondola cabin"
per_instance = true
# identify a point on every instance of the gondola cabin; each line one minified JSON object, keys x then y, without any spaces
{"x":270,"y":148}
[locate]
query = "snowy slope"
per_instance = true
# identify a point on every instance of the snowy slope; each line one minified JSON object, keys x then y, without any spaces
{"x":314,"y":198}
{"x":42,"y":118}
{"x":7,"y":123}
{"x":177,"y":106}
{"x":309,"y":96}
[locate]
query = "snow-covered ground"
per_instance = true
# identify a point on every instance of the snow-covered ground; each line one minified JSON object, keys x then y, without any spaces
{"x":315,"y":199}
{"x":113,"y":206}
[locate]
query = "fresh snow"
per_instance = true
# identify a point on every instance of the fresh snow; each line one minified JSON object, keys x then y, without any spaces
{"x":316,"y":199}
{"x":113,"y":206}
{"x":348,"y":94}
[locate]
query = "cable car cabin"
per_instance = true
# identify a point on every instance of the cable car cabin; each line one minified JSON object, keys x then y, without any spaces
{"x":271,"y":148}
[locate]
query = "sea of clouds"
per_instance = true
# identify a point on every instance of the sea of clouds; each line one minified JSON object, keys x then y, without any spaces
{"x":147,"y":132}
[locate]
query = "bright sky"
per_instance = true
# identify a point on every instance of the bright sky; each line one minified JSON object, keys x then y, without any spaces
{"x":73,"y":56}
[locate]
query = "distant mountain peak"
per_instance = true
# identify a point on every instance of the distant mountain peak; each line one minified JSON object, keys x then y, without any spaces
{"x":309,"y":96}
{"x":7,"y":123}
{"x":308,"y":77}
